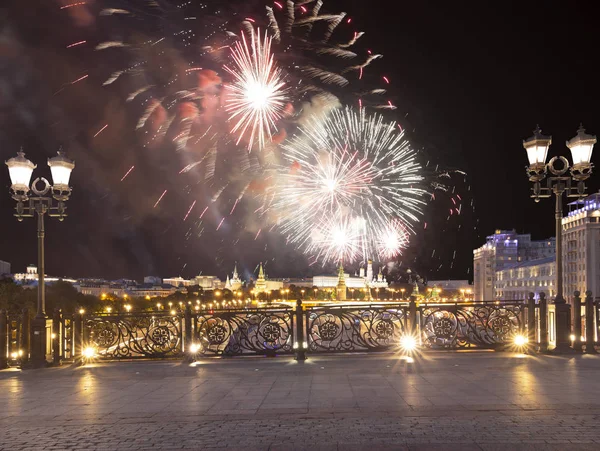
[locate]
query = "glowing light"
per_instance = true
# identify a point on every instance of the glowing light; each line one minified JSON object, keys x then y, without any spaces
{"x":408,"y":343}
{"x":89,"y":352}
{"x":355,"y":191}
{"x":257,"y":96}
{"x":194,"y":348}
{"x":520,"y":340}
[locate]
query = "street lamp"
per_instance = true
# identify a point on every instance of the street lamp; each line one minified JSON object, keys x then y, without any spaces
{"x":581,"y":147}
{"x":46,"y":200}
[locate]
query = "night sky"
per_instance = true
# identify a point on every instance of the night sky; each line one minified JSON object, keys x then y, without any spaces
{"x":471,"y":81}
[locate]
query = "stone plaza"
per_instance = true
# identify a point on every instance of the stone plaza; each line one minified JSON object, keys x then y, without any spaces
{"x":471,"y":400}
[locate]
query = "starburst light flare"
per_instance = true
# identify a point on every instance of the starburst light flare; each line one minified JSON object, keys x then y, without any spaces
{"x":257,"y":97}
{"x":355,"y":189}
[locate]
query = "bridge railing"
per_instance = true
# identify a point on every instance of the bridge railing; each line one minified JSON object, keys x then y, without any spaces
{"x":312,"y":329}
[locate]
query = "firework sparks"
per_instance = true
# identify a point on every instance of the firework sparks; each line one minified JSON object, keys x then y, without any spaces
{"x":76,"y":44}
{"x":391,"y":240}
{"x":160,"y":198}
{"x":189,"y":211}
{"x":127,"y":173}
{"x":355,"y":188}
{"x":101,"y":130}
{"x":79,"y":79}
{"x":257,"y":94}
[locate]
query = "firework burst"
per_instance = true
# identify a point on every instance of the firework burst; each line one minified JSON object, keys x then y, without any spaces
{"x":257,"y":96}
{"x":355,"y":188}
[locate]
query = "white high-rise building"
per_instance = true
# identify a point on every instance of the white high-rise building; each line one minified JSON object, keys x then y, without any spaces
{"x":581,"y":247}
{"x":503,"y":249}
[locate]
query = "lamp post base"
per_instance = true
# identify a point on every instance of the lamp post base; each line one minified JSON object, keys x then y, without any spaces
{"x":38,"y":344}
{"x":563,"y":327}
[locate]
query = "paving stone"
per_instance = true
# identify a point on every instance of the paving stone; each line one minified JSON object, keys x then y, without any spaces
{"x":463,"y":401}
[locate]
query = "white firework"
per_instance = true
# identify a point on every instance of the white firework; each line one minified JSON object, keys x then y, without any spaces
{"x":257,"y":96}
{"x":355,"y":180}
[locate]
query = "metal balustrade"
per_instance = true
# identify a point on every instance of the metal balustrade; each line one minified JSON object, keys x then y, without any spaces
{"x":312,"y":329}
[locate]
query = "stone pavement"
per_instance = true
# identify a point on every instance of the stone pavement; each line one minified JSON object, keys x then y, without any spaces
{"x":455,"y":400}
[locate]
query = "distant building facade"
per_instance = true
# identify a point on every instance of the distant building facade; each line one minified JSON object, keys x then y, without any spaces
{"x":501,"y":250}
{"x":178,"y":282}
{"x":100,"y":288}
{"x":29,"y":278}
{"x":151,"y":291}
{"x":516,"y":281}
{"x":360,"y":281}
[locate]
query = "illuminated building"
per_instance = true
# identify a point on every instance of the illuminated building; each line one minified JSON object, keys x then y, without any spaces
{"x":581,"y":247}
{"x":363,"y":280}
{"x":501,"y":250}
{"x":516,"y":281}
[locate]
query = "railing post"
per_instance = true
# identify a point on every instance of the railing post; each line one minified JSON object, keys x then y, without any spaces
{"x":589,"y":324}
{"x":25,"y":339}
{"x":3,"y":340}
{"x":577,"y":344}
{"x":531,"y":335}
{"x":300,"y":342}
{"x":412,"y":315}
{"x":77,"y":342}
{"x":56,"y":336}
{"x":187,"y":324}
{"x":543,"y":323}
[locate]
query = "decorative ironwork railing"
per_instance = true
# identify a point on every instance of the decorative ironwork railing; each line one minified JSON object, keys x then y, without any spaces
{"x":487,"y":324}
{"x":355,"y":328}
{"x":134,"y":335}
{"x":234,"y":332}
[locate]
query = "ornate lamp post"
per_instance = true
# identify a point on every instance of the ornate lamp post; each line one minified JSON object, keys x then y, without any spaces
{"x":46,"y":200}
{"x":558,"y":183}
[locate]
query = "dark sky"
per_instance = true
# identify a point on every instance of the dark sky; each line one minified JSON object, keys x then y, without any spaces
{"x":471,"y":80}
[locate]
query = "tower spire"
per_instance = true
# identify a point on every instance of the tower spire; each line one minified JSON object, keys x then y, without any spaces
{"x":341,"y":285}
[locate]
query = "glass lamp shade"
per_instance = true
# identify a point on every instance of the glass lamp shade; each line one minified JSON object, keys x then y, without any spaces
{"x":61,"y":167}
{"x":581,"y":147}
{"x":20,"y":170}
{"x":537,"y":147}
